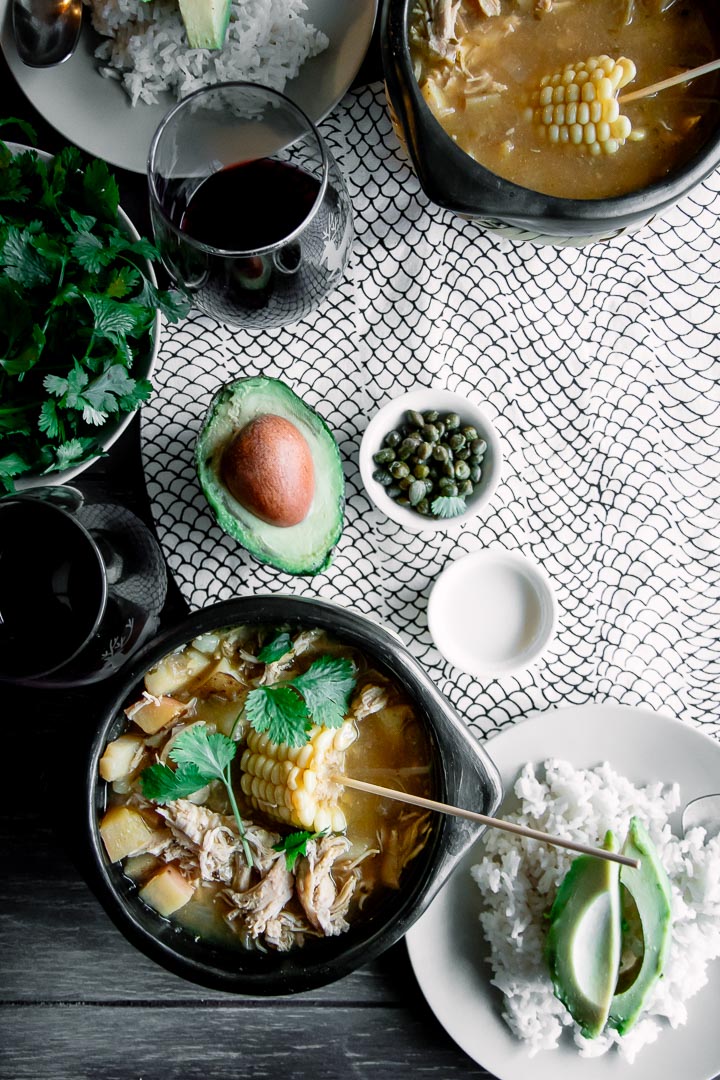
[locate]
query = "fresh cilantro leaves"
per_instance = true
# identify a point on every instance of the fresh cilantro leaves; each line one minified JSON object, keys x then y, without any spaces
{"x":76,"y":309}
{"x":200,"y":758}
{"x":295,"y":844}
{"x":448,"y":506}
{"x":275,"y":649}
{"x":287,"y":711}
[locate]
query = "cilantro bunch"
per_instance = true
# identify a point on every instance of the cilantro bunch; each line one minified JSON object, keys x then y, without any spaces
{"x":76,"y":308}
{"x":287,"y":711}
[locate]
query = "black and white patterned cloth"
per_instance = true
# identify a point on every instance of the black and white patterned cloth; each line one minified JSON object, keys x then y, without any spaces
{"x":600,"y":368}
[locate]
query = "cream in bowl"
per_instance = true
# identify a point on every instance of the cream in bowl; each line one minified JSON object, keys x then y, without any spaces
{"x":492,"y":613}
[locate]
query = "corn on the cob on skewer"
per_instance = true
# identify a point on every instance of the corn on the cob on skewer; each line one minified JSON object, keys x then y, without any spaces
{"x":578,"y":105}
{"x":291,"y":783}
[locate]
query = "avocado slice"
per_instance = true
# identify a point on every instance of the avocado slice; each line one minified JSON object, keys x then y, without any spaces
{"x":206,"y":22}
{"x":583,"y":943}
{"x":649,"y":888}
{"x":303,"y":548}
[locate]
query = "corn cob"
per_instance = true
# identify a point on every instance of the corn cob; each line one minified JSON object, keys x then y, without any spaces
{"x":578,"y":105}
{"x":291,"y":783}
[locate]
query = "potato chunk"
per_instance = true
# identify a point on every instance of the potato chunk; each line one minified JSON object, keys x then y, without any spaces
{"x":121,"y":757}
{"x":153,"y":715}
{"x":167,"y":891}
{"x":177,"y":671}
{"x":125,"y":832}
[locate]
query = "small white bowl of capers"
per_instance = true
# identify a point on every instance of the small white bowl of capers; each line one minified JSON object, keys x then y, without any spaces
{"x":430,"y":460}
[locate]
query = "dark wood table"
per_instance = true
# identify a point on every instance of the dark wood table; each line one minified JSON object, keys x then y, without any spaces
{"x":76,"y":1000}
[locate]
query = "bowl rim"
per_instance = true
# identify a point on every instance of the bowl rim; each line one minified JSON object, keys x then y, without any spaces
{"x":27,"y":482}
{"x":422,"y":398}
{"x":464,"y":767}
{"x":542,"y":585}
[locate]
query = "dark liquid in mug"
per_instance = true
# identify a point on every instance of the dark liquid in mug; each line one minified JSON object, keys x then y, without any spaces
{"x":51,"y":588}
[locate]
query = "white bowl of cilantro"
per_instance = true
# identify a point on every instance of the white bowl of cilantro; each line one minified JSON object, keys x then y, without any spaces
{"x":80,"y":315}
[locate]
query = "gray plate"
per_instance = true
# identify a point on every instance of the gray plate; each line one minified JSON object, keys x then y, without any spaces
{"x":96,"y":114}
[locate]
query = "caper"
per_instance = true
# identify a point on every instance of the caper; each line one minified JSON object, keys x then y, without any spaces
{"x":448,"y":488}
{"x":394,"y":491}
{"x":402,"y":500}
{"x":456,"y":441}
{"x":462,"y":470}
{"x":469,"y":432}
{"x":393,"y":438}
{"x":465,"y":488}
{"x":383,"y":477}
{"x":429,"y":433}
{"x":423,"y":451}
{"x":462,"y":455}
{"x":407,"y":448}
{"x":431,"y":415}
{"x":416,"y":492}
{"x":384,"y":457}
{"x":448,"y":469}
{"x":415,"y":419}
{"x":399,"y":469}
{"x":475,"y":473}
{"x":421,"y":471}
{"x":423,"y":507}
{"x":440,"y":428}
{"x":404,"y":482}
{"x":440,"y":452}
{"x":452,"y":421}
{"x":478,"y":447}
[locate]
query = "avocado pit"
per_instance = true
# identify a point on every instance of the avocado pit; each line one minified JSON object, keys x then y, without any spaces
{"x":268,"y":467}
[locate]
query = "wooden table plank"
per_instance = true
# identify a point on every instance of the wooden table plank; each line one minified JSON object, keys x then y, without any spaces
{"x":327,"y":1042}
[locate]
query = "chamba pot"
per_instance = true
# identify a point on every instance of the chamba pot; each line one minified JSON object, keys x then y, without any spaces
{"x":462,"y":771}
{"x":453,"y":180}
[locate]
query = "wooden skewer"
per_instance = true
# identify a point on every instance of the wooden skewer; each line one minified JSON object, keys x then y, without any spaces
{"x":471,"y":815}
{"x":684,"y":76}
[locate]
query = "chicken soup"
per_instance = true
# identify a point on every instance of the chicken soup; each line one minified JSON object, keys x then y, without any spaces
{"x":507,"y":79}
{"x":226,"y":803}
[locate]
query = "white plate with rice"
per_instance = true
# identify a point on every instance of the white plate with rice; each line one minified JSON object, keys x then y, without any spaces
{"x":311,"y":49}
{"x":447,"y":946}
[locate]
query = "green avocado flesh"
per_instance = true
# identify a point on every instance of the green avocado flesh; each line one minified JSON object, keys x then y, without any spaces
{"x":649,"y":888}
{"x":583,"y":943}
{"x":587,"y":934}
{"x":206,"y":22}
{"x":305,"y":548}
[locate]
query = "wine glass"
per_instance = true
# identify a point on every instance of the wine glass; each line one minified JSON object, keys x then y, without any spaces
{"x":249,"y":209}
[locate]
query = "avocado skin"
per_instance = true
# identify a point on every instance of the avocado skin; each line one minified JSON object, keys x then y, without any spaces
{"x":650,"y":889}
{"x":587,"y":880}
{"x":228,"y":513}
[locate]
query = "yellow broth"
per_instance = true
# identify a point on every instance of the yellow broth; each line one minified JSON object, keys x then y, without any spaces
{"x":521,"y":45}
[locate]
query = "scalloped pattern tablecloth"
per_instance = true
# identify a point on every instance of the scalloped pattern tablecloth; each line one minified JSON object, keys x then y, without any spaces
{"x":601,"y":369}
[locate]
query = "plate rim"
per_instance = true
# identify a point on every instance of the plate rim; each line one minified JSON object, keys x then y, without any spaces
{"x":435,"y":990}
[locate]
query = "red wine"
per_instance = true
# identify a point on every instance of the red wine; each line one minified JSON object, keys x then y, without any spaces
{"x":51,"y":588}
{"x":251,"y":205}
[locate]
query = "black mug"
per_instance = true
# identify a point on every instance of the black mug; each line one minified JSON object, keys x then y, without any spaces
{"x":82,"y":585}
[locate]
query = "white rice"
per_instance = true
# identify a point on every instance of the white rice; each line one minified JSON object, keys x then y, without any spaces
{"x":267,"y":42}
{"x":519,"y":878}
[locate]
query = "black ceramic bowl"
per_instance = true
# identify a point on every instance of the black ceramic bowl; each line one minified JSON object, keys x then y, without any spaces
{"x":464,"y":775}
{"x":453,"y":180}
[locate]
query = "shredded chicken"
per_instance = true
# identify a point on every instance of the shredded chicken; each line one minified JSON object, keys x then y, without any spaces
{"x":324,"y":905}
{"x":491,"y":7}
{"x":401,"y":843}
{"x":442,"y":37}
{"x":371,"y":699}
{"x":211,"y":839}
{"x":263,"y":902}
{"x":542,"y":7}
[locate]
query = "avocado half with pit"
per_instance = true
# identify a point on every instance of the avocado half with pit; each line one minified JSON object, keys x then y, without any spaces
{"x":271,"y":471}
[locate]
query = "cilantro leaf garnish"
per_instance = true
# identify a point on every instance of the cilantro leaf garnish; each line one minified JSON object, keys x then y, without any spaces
{"x":162,"y":784}
{"x":295,"y":844}
{"x":281,"y":712}
{"x":275,"y":649}
{"x":76,"y":310}
{"x":200,"y":757}
{"x":288,"y":710}
{"x":326,"y":687}
{"x":448,"y":506}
